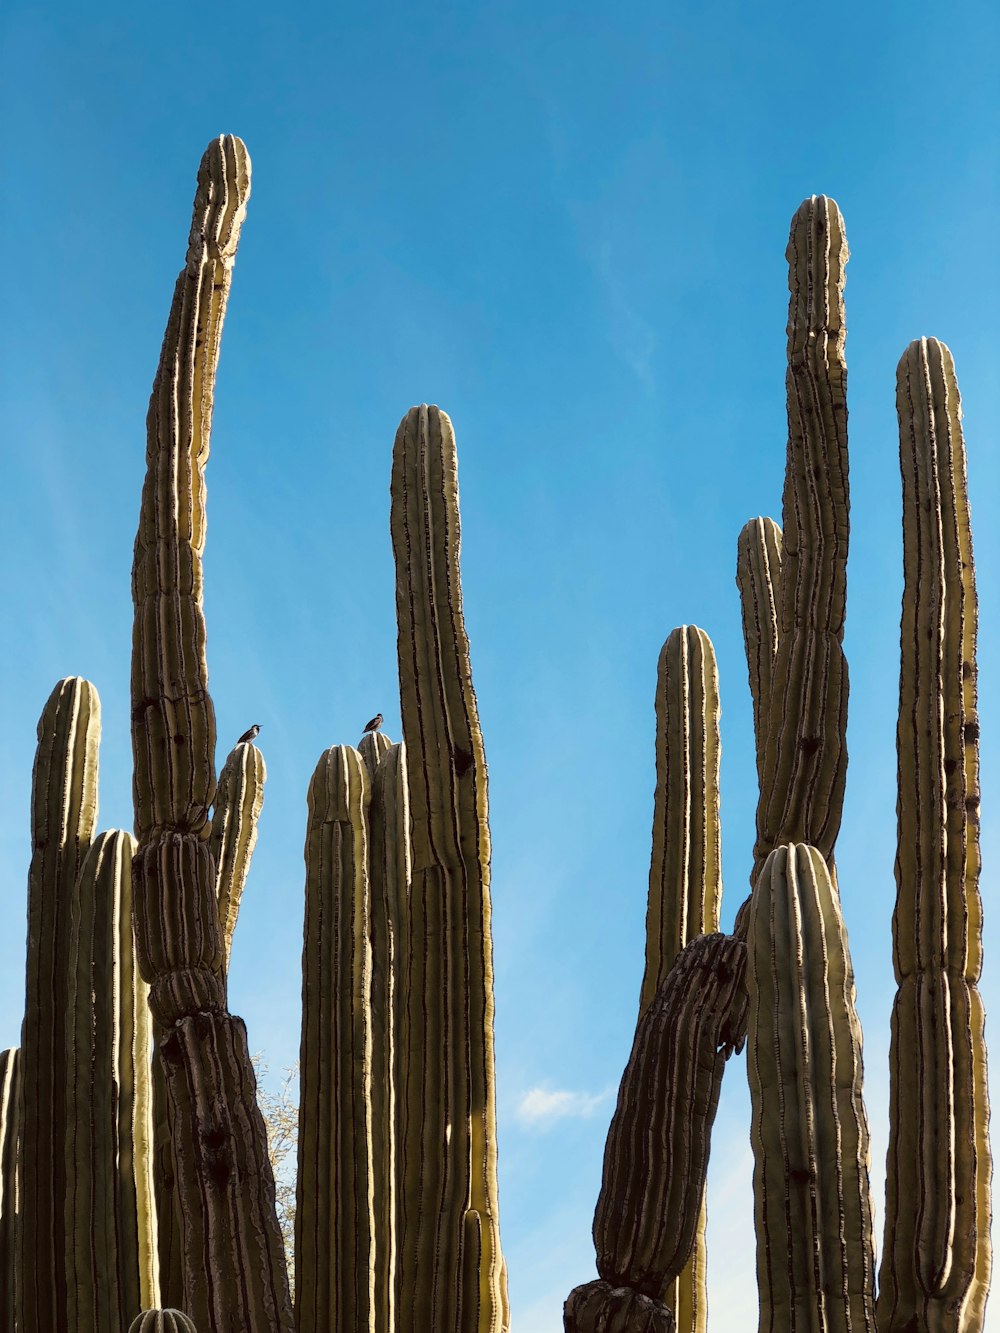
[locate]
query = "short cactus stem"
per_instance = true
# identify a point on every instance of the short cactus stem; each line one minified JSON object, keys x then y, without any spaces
{"x":936,"y":1254}
{"x":805,"y":758}
{"x":656,"y":1158}
{"x":239,"y":799}
{"x":815,"y":1251}
{"x":162,"y":1321}
{"x":371,"y":747}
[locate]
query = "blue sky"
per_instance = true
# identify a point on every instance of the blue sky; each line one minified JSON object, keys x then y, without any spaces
{"x":565,"y":225}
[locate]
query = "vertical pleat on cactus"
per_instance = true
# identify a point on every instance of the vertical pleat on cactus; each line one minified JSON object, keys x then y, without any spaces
{"x":63,"y":818}
{"x":809,"y":1130}
{"x":447,"y":1116}
{"x":936,"y":1256}
{"x":334,"y":1237}
{"x":231,"y":1250}
{"x":805,"y":758}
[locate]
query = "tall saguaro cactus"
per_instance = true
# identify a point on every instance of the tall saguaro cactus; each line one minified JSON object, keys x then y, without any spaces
{"x":451,"y":1273}
{"x":233,"y":1265}
{"x":936,"y":1256}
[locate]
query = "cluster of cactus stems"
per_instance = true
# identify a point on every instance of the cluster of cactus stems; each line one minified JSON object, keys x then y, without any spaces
{"x":135,"y":1188}
{"x":783,"y":980}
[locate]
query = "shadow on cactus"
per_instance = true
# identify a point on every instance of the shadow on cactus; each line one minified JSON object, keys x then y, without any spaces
{"x":137,"y":1190}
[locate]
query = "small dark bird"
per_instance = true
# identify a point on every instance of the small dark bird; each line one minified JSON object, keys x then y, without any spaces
{"x":250,"y":735}
{"x":375,"y":723}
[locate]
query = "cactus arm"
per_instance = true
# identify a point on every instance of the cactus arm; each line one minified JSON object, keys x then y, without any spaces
{"x":231,"y":1250}
{"x":173,"y":722}
{"x":448,"y":1118}
{"x":758,"y":577}
{"x":389,"y":870}
{"x":656,"y":1158}
{"x":10,"y":1077}
{"x":936,"y":1253}
{"x":63,"y":815}
{"x":815,"y":1252}
{"x":805,"y":765}
{"x":685,"y":876}
{"x":334,"y":1250}
{"x":239,"y":800}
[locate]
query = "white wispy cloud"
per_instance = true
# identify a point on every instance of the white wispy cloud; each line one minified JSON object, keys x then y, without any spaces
{"x":540,"y":1106}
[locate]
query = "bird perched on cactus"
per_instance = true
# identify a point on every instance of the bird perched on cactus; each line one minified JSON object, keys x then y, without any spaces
{"x":250,"y":735}
{"x":375,"y":723}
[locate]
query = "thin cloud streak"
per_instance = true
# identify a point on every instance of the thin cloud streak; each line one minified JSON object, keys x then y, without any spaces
{"x":542,"y":1106}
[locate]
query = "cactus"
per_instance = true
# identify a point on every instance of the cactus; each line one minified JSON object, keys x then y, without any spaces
{"x":233,"y":1263}
{"x":451,"y":1273}
{"x":239,"y":799}
{"x":334,"y":1240}
{"x":162,"y":1321}
{"x":685,"y":876}
{"x":936,"y":1255}
{"x":815,"y":1251}
{"x":63,"y":818}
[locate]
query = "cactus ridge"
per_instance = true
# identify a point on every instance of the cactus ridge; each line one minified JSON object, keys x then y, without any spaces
{"x":805,"y":762}
{"x":63,"y":818}
{"x":173,"y":731}
{"x":758,"y":577}
{"x":656,"y":1158}
{"x":448,"y":1116}
{"x":815,"y":1250}
{"x":334,"y":1237}
{"x":936,"y":1258}
{"x":239,"y":799}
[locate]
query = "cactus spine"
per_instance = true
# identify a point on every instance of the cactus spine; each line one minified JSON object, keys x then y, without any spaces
{"x":451,"y":1274}
{"x":936,"y":1255}
{"x":232,"y":1259}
